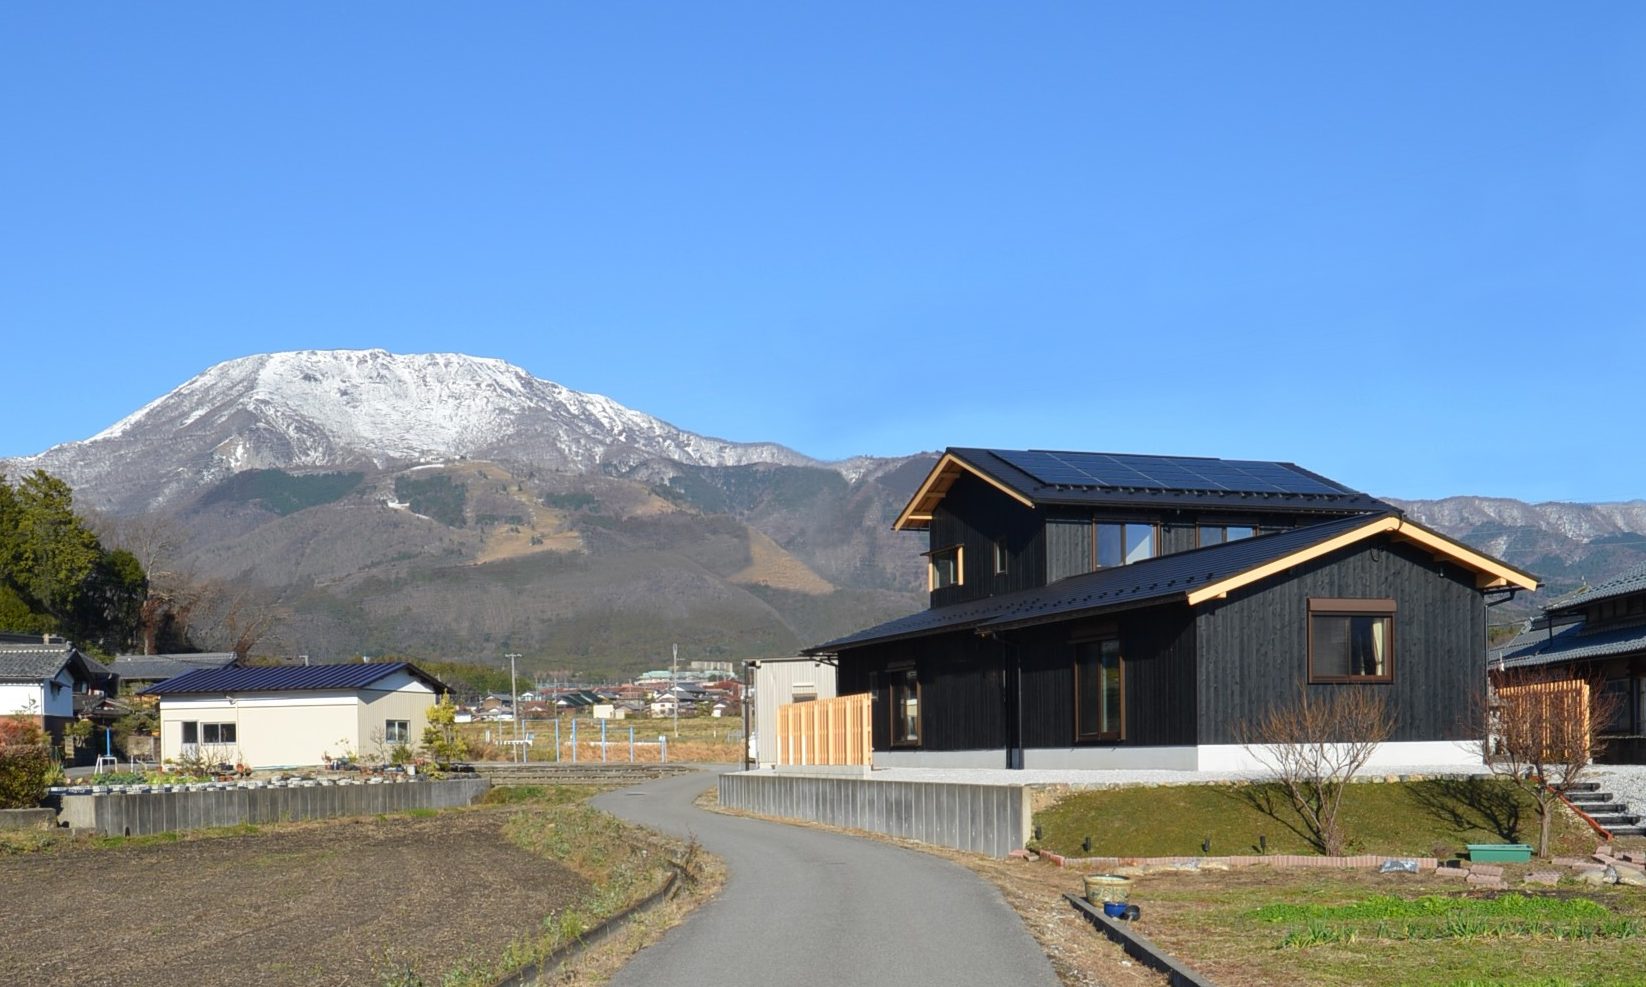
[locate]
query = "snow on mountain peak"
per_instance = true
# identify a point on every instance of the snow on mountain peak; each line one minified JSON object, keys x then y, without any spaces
{"x":316,"y":409}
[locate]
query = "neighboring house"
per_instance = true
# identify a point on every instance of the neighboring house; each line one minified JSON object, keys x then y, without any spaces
{"x":41,"y":676}
{"x":775,"y":682}
{"x":1091,"y":610}
{"x":138,"y":672}
{"x":1597,"y":634}
{"x":290,"y":715}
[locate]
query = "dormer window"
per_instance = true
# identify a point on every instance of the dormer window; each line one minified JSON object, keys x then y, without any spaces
{"x":944,"y":567}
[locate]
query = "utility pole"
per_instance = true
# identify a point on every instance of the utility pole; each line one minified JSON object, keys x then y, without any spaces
{"x":674,"y":672}
{"x":514,"y":704}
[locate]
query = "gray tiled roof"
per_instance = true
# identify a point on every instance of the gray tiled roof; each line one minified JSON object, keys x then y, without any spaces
{"x":32,"y":662}
{"x":1633,"y":581}
{"x":158,"y":668}
{"x":1570,"y":644}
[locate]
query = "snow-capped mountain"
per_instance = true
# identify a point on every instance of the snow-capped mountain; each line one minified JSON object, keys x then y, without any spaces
{"x":326,"y":409}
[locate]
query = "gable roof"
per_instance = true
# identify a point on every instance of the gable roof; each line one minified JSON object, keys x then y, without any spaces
{"x":1035,"y":477}
{"x":288,"y":678}
{"x":1570,"y":644}
{"x":157,"y":668}
{"x":40,"y":662}
{"x":1192,"y":577}
{"x":1632,"y":581}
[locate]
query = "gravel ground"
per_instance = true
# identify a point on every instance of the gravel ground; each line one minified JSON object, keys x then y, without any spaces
{"x":1626,"y":781}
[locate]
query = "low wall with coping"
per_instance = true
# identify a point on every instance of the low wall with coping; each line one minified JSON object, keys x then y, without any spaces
{"x":163,"y":812}
{"x":986,"y":819}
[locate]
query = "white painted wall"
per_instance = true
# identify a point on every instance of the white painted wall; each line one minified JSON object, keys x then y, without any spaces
{"x":295,"y":729}
{"x":21,"y":697}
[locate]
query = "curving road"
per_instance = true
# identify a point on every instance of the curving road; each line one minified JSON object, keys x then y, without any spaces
{"x":807,"y":906}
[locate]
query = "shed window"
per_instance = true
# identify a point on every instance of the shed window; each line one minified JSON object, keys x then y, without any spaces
{"x":217,"y":733}
{"x":1098,"y":690}
{"x":191,"y":732}
{"x":944,"y":569}
{"x":396,"y":731}
{"x":1351,"y":640}
{"x":905,"y":707}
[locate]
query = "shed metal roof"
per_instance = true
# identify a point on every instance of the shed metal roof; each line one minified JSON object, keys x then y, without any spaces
{"x":288,"y":678}
{"x":1190,"y":577}
{"x":1158,"y":580}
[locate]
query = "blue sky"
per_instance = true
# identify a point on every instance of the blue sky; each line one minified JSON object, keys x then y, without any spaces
{"x":1401,"y":244}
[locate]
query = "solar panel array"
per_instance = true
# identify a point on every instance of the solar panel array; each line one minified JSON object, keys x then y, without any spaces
{"x":1101,"y":469}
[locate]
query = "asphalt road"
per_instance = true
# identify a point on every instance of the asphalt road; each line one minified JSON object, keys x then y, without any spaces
{"x":806,"y":906}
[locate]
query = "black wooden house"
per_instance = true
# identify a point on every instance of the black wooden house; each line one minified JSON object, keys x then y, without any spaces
{"x":1093,"y":610}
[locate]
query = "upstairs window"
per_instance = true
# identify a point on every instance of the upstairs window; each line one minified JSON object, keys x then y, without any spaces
{"x":943,"y":568}
{"x":1122,"y":544}
{"x":1002,"y":559}
{"x":1351,"y":640}
{"x":1217,"y":534}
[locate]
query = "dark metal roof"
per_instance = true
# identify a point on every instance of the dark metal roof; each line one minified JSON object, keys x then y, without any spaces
{"x":1570,"y":644}
{"x":1633,"y":581}
{"x":284,"y":678}
{"x":1162,"y":579}
{"x":1123,"y":479}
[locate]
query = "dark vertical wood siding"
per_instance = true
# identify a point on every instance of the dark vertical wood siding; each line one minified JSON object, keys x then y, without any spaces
{"x":1157,"y":646}
{"x":1253,"y":647}
{"x":1068,"y":546}
{"x":972,"y":515}
{"x":962,"y":701}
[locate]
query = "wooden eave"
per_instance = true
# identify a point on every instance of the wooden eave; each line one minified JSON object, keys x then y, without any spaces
{"x":918,"y":514}
{"x":1489,"y":572}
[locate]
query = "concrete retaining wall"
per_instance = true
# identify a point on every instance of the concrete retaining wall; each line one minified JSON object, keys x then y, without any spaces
{"x":161,"y":812}
{"x":986,"y":819}
{"x":27,"y":819}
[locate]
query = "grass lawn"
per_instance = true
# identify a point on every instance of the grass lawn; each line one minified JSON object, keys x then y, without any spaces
{"x":1246,"y":928}
{"x":1422,"y":818}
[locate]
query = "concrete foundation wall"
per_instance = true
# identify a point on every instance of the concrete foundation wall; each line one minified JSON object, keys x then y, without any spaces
{"x":27,"y":819}
{"x":162,"y":812}
{"x":987,"y":819}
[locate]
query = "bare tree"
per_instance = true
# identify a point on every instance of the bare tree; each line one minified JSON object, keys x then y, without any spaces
{"x":1315,"y":745}
{"x":1540,"y":729}
{"x":225,"y":616}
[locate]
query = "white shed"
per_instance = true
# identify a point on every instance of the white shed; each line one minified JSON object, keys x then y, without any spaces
{"x":293,"y":715}
{"x":776,"y":682}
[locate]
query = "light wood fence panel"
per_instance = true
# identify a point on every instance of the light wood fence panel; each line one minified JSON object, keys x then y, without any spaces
{"x":1547,"y":719}
{"x":826,"y":731}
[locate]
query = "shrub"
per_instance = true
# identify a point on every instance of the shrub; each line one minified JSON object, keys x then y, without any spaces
{"x":26,"y":765}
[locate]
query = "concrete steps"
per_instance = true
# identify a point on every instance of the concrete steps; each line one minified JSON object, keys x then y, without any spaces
{"x":1606,"y":810}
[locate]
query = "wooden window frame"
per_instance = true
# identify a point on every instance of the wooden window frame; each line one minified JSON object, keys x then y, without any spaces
{"x":1097,"y":522}
{"x":959,"y":567}
{"x":899,"y":679}
{"x":1352,"y":607}
{"x":1108,"y":736}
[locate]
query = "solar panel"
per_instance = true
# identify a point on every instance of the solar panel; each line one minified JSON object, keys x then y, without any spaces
{"x":1097,"y":469}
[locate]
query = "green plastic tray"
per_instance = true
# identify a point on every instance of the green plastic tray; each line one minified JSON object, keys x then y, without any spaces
{"x":1499,"y":853}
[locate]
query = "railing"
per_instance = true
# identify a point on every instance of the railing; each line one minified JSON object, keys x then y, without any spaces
{"x":827,"y":731}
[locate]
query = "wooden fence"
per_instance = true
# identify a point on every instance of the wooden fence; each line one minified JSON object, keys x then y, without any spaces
{"x":827,"y":731}
{"x":1543,"y":721}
